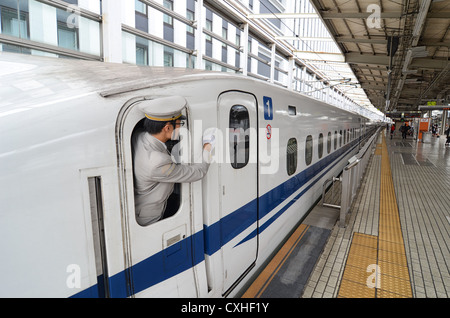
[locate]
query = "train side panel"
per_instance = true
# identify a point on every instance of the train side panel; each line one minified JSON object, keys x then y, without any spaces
{"x":47,"y":248}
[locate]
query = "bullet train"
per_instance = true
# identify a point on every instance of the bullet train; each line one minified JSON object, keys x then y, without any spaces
{"x":67,"y":219}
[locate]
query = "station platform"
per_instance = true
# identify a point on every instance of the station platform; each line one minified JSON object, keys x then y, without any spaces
{"x":396,"y":243}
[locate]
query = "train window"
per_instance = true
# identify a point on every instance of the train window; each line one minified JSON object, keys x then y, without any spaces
{"x":340,"y":138}
{"x":320,"y":148}
{"x":309,"y":150}
{"x":239,"y":136}
{"x":329,"y":142}
{"x":291,"y":156}
{"x":335,"y":139}
{"x":292,"y":110}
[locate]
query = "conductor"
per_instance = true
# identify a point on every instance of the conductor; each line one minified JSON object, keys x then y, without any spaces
{"x":154,"y":171}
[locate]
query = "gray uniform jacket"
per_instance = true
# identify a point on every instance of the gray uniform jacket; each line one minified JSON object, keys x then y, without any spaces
{"x":155,"y":174}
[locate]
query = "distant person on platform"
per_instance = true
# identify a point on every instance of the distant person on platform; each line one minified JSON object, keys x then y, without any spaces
{"x":404,"y":129}
{"x":447,"y":133}
{"x":392,"y":130}
{"x":155,"y":174}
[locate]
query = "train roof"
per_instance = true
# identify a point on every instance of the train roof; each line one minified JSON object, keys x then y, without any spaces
{"x":33,"y":81}
{"x":30,"y":80}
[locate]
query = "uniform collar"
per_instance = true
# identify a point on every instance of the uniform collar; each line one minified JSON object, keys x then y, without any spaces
{"x":155,"y":141}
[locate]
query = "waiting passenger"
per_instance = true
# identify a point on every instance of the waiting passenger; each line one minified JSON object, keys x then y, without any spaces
{"x":447,"y":133}
{"x":154,"y":171}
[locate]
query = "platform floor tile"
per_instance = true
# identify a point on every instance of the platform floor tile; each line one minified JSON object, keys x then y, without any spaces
{"x":413,"y":239}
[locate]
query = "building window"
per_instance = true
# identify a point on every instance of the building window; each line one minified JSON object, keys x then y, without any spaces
{"x":320,"y":148}
{"x":291,"y":156}
{"x":208,"y":27}
{"x":67,"y":36}
{"x":14,"y":23}
{"x":141,"y":54}
{"x":239,"y":136}
{"x":140,"y":7}
{"x":168,"y":57}
{"x":224,"y":36}
{"x":190,"y":15}
{"x":309,"y":150}
{"x":141,"y":16}
{"x":168,"y":4}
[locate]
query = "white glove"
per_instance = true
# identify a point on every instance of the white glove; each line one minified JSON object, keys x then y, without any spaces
{"x":209,"y":137}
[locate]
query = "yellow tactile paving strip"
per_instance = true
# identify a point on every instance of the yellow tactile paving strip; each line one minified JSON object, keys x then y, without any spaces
{"x":376,"y":266}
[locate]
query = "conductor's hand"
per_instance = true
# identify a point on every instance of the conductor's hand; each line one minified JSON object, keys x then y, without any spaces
{"x":207,"y":147}
{"x":209,"y":139}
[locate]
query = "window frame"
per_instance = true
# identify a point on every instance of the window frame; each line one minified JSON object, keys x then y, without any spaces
{"x":320,"y":146}
{"x":309,"y":146}
{"x":329,"y":142}
{"x":244,"y":131}
{"x":291,"y":156}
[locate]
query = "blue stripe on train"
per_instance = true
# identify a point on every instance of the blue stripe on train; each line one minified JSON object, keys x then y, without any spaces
{"x":189,"y":252}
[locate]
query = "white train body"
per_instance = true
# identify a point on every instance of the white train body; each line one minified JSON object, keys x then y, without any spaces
{"x":67,"y":219}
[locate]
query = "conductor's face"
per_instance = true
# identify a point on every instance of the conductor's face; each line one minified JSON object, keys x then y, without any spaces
{"x":173,"y":130}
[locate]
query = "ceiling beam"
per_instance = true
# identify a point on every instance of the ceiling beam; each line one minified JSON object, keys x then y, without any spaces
{"x":343,"y":39}
{"x":435,"y":42}
{"x":428,"y":63}
{"x":373,"y":87}
{"x":372,"y":75}
{"x":439,"y":15}
{"x":356,"y":58}
{"x":358,"y":15}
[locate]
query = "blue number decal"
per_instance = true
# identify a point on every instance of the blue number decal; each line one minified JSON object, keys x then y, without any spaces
{"x":268,"y":108}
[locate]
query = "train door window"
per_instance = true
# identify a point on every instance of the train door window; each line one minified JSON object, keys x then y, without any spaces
{"x":335,"y":139}
{"x":239,"y":136}
{"x":329,"y":142}
{"x":320,"y":148}
{"x":340,"y":138}
{"x":174,"y":200}
{"x":309,"y":150}
{"x":291,"y":156}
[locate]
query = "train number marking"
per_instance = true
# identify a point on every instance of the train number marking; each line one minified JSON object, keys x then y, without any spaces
{"x":268,"y":108}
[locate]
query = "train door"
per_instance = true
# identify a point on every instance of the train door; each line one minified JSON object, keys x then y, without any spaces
{"x":237,"y":119}
{"x":160,"y":257}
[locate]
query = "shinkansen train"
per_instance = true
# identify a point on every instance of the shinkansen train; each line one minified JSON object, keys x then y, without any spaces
{"x":67,"y":213}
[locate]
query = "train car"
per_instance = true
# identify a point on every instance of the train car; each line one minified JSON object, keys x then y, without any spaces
{"x":68,"y":223}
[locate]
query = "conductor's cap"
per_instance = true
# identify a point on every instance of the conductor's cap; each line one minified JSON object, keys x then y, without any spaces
{"x":164,"y":109}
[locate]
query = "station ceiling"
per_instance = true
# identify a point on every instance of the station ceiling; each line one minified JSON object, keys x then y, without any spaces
{"x":398,"y":49}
